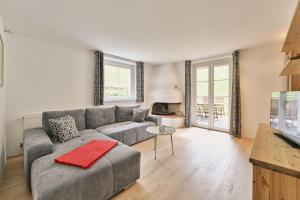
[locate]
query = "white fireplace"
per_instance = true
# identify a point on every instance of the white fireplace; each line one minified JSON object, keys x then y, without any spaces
{"x":167,"y":88}
{"x":168,"y":97}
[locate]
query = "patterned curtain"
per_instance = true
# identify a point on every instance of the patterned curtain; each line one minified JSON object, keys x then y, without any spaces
{"x":188,"y":96}
{"x":140,"y":82}
{"x":235,"y":118}
{"x":99,"y":79}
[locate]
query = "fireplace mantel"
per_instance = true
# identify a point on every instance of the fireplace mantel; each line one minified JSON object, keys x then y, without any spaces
{"x":172,"y":120}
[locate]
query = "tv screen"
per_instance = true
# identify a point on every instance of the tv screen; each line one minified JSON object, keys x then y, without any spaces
{"x":285,"y":114}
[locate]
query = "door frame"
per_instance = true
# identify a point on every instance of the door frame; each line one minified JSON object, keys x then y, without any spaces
{"x":210,"y":64}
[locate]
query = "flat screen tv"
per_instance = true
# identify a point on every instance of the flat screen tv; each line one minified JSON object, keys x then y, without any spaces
{"x":285,"y":115}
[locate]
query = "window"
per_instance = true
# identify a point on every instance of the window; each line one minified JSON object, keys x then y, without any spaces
{"x":119,"y":80}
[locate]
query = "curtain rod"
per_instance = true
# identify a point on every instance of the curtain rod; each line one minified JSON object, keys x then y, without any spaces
{"x":118,"y":57}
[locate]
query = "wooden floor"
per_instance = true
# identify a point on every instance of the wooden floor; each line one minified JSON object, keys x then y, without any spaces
{"x":206,"y":165}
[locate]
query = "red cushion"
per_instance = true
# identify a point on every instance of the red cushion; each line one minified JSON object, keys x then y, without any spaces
{"x":86,"y":155}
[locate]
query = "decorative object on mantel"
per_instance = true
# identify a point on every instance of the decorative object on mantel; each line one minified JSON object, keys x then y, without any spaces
{"x":1,"y":62}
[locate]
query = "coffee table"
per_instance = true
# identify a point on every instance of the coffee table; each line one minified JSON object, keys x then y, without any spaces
{"x":161,"y":130}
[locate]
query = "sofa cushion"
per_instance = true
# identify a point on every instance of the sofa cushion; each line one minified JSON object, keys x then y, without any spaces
{"x":125,"y":113}
{"x":127,"y":132}
{"x":140,"y":114}
{"x":100,"y":116}
{"x":109,"y":175}
{"x":78,"y":115}
{"x":84,"y":136}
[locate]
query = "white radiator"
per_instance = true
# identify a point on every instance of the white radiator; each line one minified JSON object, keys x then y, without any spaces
{"x":32,"y":121}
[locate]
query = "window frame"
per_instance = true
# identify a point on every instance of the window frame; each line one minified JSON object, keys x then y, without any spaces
{"x":122,"y":64}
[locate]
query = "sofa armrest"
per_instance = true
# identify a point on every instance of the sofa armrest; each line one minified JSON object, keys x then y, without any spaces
{"x":154,"y":118}
{"x":36,"y":144}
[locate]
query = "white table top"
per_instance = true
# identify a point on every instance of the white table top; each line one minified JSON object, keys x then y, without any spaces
{"x":161,"y":130}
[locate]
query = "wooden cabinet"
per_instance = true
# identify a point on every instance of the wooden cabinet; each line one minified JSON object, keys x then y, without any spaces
{"x":292,"y":40}
{"x":292,"y":48}
{"x":270,"y":184}
{"x":276,"y":167}
{"x":295,"y":82}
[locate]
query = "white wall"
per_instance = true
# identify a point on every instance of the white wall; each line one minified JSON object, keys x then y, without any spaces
{"x":180,"y":71}
{"x":2,"y":113}
{"x":259,"y":75}
{"x":164,"y":78}
{"x":45,"y":76}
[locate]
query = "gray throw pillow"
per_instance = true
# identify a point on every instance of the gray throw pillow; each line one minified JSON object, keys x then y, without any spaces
{"x":63,"y":128}
{"x":140,"y":114}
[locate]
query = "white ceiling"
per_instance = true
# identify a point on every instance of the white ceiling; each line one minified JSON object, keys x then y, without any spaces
{"x":154,"y":31}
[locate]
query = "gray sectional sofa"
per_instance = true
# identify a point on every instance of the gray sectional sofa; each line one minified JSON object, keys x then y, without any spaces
{"x":113,"y":172}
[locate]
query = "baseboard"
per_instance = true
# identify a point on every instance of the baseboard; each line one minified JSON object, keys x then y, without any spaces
{"x":130,"y":184}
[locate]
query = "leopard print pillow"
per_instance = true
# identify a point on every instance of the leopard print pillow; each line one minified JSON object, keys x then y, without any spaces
{"x":52,"y":125}
{"x":63,"y":128}
{"x":53,"y":128}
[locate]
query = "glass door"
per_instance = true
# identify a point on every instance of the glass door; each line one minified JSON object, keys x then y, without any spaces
{"x":221,"y":96}
{"x":212,"y":109}
{"x":203,"y":101}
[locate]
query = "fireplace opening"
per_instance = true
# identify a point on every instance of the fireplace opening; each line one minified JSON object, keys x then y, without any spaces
{"x":162,"y":108}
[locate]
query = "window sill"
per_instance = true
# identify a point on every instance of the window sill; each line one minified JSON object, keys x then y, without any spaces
{"x":119,"y":100}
